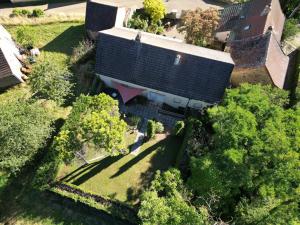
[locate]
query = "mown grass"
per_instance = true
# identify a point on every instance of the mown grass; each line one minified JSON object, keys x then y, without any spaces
{"x":124,"y":177}
{"x":56,"y":40}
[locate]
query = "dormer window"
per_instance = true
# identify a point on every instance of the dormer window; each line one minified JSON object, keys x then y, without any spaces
{"x":247,"y":27}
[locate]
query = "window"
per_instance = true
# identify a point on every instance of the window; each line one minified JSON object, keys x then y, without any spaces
{"x":242,"y":17}
{"x":247,"y":27}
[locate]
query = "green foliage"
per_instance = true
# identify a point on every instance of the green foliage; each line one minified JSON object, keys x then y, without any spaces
{"x":23,"y":36}
{"x":153,"y":128}
{"x":290,"y":28}
{"x":179,"y":128}
{"x":24,"y":129}
{"x":164,"y":203}
{"x":253,"y":162}
{"x":37,"y":13}
{"x":134,"y":121}
{"x":142,"y":21}
{"x":21,"y":12}
{"x":82,"y":51}
{"x":155,"y":9}
{"x":49,"y":81}
{"x":93,"y":120}
{"x":28,"y":13}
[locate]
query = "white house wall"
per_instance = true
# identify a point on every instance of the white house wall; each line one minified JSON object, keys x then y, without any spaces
{"x":170,"y":99}
{"x":121,"y":15}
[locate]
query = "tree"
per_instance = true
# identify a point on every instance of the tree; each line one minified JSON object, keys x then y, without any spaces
{"x":199,"y":25}
{"x":290,"y":28}
{"x":24,"y":129}
{"x":94,"y":120}
{"x":51,"y":82}
{"x":164,"y":204}
{"x":254,"y":157}
{"x":156,"y":10}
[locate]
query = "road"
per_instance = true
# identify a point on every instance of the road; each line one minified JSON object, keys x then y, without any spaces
{"x":78,"y":8}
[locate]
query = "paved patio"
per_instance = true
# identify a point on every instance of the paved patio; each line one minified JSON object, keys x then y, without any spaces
{"x":149,"y":111}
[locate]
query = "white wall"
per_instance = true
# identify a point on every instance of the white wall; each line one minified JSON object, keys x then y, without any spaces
{"x":170,"y":99}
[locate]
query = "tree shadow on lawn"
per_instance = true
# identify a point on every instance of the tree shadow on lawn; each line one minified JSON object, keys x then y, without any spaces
{"x":66,"y":41}
{"x":95,"y":168}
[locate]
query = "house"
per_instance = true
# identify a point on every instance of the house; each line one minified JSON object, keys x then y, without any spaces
{"x":10,"y":66}
{"x":101,"y":15}
{"x":165,"y":70}
{"x":251,"y":33}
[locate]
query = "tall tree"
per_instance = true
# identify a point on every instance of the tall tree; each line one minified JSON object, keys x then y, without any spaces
{"x":254,"y":157}
{"x":94,"y":120}
{"x":24,"y":128}
{"x":199,"y":25}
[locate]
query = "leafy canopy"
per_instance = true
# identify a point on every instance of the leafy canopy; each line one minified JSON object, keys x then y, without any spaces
{"x":164,"y":204}
{"x":199,"y":25}
{"x":94,"y":120}
{"x":254,"y":157}
{"x":24,"y":128}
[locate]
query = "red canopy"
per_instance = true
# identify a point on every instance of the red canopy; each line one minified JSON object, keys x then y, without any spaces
{"x":127,"y":93}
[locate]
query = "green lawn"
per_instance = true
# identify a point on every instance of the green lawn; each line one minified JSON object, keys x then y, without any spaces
{"x":55,"y":40}
{"x":124,"y":177}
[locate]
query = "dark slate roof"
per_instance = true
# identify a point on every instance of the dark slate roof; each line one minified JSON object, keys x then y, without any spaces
{"x":203,"y":74}
{"x":100,"y":16}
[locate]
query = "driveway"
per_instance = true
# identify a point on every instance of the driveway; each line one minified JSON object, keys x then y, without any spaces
{"x":79,"y":7}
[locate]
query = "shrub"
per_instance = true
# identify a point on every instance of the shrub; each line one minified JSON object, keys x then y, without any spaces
{"x":134,"y":120}
{"x":155,"y":28}
{"x":51,"y":82}
{"x":21,"y":12}
{"x":290,"y":28}
{"x":151,"y":129}
{"x":24,"y":36}
{"x":136,"y":22}
{"x":37,"y":13}
{"x":82,"y":51}
{"x":159,"y":127}
{"x":179,"y":128}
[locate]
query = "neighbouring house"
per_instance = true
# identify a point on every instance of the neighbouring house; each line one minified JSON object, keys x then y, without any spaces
{"x":251,"y":33}
{"x":101,"y":15}
{"x":10,"y":66}
{"x":165,"y":70}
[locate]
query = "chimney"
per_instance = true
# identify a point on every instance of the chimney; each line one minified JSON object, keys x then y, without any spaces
{"x":266,"y":10}
{"x":138,"y":36}
{"x":177,"y":60}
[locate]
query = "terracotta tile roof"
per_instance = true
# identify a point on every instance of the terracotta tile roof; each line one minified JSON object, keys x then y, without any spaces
{"x":276,"y":62}
{"x":259,"y":15}
{"x":263,"y":50}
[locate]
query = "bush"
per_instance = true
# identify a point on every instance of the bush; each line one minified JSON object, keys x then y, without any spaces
{"x":24,"y":36}
{"x":134,"y":120}
{"x":136,"y":22}
{"x":179,"y":128}
{"x":154,"y":128}
{"x":290,"y":28}
{"x":159,"y":127}
{"x":37,"y":13}
{"x":21,"y":12}
{"x":82,"y":51}
{"x":151,"y":129}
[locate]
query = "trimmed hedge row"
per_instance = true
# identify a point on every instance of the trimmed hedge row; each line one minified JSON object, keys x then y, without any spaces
{"x":114,"y":208}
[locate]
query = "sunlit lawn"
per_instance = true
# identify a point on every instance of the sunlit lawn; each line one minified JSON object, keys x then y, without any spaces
{"x":124,"y":177}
